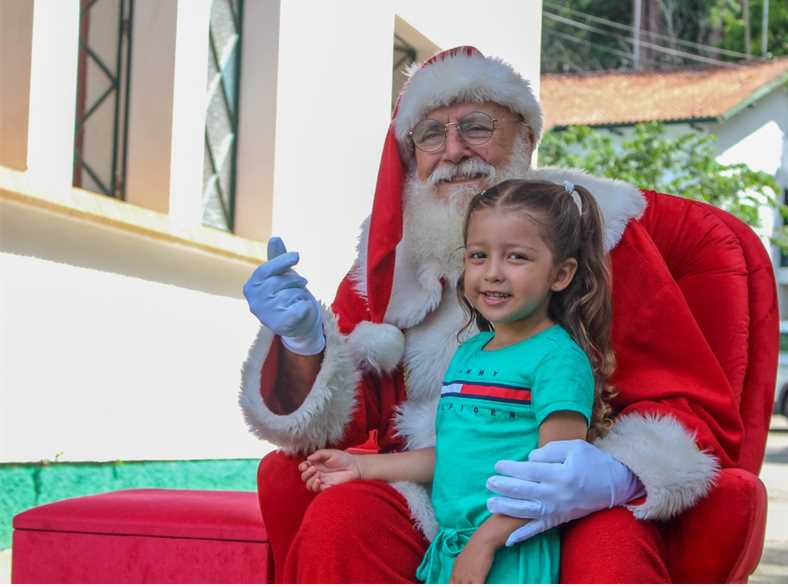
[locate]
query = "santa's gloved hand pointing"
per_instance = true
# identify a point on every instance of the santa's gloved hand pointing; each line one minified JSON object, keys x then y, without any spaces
{"x":278,"y":296}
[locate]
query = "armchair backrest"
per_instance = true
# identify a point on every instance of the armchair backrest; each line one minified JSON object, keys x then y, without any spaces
{"x":727,"y":278}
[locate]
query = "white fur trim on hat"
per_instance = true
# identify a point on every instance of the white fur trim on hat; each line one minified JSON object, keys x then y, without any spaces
{"x":322,"y":418}
{"x":664,"y":456}
{"x":462,"y":77}
{"x":378,"y":347}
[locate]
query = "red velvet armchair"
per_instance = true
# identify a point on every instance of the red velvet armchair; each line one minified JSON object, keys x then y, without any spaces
{"x":727,"y":278}
{"x":180,"y":536}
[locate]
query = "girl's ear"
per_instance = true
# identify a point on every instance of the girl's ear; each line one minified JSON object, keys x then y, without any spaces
{"x":565,"y":272}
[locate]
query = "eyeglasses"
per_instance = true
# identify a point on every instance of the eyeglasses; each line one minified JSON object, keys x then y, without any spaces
{"x":476,"y":128}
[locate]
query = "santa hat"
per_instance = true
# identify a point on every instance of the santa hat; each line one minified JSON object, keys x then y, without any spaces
{"x":458,"y":75}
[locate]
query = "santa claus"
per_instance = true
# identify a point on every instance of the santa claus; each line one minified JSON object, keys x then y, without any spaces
{"x":370,"y":366}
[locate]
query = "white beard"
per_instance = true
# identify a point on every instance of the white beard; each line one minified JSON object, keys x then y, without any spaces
{"x":432,"y":227}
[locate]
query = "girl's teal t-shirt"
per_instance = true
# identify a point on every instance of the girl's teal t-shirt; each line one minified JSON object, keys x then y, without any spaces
{"x":491,"y":406}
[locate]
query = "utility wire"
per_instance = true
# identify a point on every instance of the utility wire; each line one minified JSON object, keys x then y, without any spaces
{"x":602,"y":48}
{"x":659,"y":48}
{"x":630,"y":28}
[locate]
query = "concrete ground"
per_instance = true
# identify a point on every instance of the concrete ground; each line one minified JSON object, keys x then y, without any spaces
{"x":774,"y":473}
{"x":5,"y":566}
{"x":774,"y":563}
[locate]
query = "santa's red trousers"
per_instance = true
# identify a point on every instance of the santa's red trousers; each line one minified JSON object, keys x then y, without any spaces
{"x":362,"y":532}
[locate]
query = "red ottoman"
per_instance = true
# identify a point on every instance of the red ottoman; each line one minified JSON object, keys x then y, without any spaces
{"x":143,"y":536}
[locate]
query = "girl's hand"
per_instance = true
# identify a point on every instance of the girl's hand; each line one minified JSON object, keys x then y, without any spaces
{"x":474,"y":562}
{"x":328,"y":467}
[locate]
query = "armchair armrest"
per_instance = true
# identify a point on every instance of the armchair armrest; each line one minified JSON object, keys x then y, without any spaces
{"x":720,"y":540}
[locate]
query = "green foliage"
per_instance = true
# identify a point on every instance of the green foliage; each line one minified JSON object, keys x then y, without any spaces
{"x":568,"y":49}
{"x":716,"y":24}
{"x":728,"y":13}
{"x":685,"y":165}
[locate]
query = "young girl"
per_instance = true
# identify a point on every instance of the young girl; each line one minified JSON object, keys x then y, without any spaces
{"x":536,"y":285}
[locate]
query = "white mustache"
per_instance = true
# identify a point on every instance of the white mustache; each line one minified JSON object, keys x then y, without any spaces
{"x":466,"y":168}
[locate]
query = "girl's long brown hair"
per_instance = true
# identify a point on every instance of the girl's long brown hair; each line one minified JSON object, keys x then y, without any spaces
{"x":584,"y":309}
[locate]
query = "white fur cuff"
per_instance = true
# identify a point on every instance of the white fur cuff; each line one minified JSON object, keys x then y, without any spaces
{"x":378,"y":347}
{"x":322,"y":417}
{"x":664,"y":456}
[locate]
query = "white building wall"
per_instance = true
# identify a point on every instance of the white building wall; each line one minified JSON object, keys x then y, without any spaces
{"x":122,"y":325}
{"x":758,"y":137}
{"x":333,"y":107}
{"x":149,"y":142}
{"x":16,"y":26}
{"x":53,"y":90}
{"x":116,"y":344}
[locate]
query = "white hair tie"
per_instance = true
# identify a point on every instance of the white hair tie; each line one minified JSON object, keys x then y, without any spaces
{"x":570,"y":189}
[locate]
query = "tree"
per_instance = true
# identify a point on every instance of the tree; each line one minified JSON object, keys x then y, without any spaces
{"x":590,"y":35}
{"x":685,"y":166}
{"x":728,"y":14}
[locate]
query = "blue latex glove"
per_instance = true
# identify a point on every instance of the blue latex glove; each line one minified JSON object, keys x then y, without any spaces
{"x":562,"y":481}
{"x":278,"y":296}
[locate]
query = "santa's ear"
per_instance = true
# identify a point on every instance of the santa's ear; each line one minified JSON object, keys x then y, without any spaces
{"x":528,"y":134}
{"x":528,"y":140}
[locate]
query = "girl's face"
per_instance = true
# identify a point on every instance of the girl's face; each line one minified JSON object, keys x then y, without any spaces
{"x":510,"y":272}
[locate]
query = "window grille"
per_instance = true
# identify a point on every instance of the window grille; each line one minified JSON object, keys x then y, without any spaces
{"x":101,"y":122}
{"x":404,"y":55}
{"x":221,"y":126}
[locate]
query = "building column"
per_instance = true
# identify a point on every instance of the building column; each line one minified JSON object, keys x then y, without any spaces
{"x":53,"y":90}
{"x":189,"y":104}
{"x":16,"y":34}
{"x":254,"y":185}
{"x":149,"y":158}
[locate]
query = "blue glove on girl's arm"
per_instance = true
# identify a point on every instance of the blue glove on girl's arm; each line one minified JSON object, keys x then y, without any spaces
{"x":277,"y":295}
{"x":562,"y":481}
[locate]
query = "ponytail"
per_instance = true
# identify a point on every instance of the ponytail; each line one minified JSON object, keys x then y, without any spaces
{"x":585,"y":308}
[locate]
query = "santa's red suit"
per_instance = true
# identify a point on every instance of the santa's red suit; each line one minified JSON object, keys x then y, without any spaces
{"x":391,"y":333}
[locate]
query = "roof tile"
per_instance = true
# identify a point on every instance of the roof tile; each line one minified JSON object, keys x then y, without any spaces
{"x":628,"y":97}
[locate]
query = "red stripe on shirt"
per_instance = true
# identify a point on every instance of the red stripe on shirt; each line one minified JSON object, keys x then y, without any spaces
{"x":497,"y":392}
